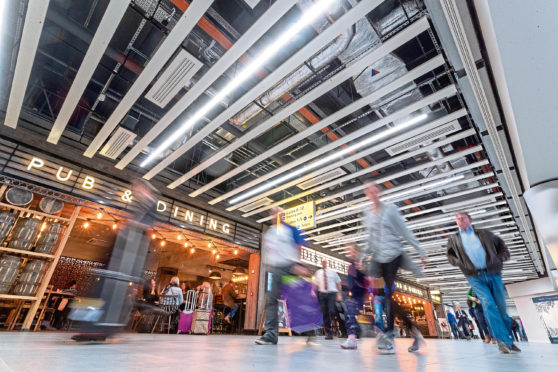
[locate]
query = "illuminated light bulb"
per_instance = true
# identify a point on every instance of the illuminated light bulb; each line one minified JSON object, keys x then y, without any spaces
{"x":192,"y":250}
{"x":114,"y":226}
{"x":186,"y":244}
{"x":236,"y":252}
{"x":99,"y":215}
{"x":179,"y":237}
{"x":209,"y":245}
{"x":163,"y":243}
{"x":43,"y":227}
{"x":214,"y":251}
{"x":218,"y":256}
{"x":153,"y":236}
{"x":86,"y":224}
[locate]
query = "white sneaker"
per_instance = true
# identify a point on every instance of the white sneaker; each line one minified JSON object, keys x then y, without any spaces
{"x":350,"y":344}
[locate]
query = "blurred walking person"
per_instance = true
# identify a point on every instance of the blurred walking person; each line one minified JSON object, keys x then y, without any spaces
{"x":453,"y":324}
{"x":480,"y":255}
{"x":329,"y":292}
{"x":281,"y":255}
{"x":384,"y":255}
{"x":358,"y":288}
{"x":108,"y":314}
{"x":463,"y":322}
{"x":479,"y":316}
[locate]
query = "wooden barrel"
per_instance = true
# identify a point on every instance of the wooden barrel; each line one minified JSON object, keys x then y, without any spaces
{"x":9,"y":268}
{"x":19,"y":197}
{"x":49,"y":238}
{"x":7,"y":220}
{"x":50,"y":205}
{"x":30,"y":278}
{"x":25,"y":233}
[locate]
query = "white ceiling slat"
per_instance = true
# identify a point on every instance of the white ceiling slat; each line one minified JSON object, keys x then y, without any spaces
{"x":32,"y":29}
{"x":386,"y":89}
{"x":347,"y":20}
{"x":109,"y":23}
{"x":444,"y":93}
{"x":350,"y":71}
{"x":171,"y":43}
{"x":255,"y":32}
{"x":377,"y":166}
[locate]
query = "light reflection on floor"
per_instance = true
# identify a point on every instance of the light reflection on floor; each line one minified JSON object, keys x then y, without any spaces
{"x":144,"y":352}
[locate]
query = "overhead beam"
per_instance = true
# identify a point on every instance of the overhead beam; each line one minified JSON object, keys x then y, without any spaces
{"x":32,"y":29}
{"x":253,"y":34}
{"x":350,"y":71}
{"x":345,"y":21}
{"x":182,"y":28}
{"x":105,"y":31}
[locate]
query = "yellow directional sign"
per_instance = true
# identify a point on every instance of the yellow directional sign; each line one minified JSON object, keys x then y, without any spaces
{"x":301,"y":216}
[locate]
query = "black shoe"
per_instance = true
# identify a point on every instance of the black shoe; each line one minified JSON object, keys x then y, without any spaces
{"x":265,"y":341}
{"x":515,"y":349}
{"x":329,"y":337}
{"x":503,"y":348}
{"x":89,"y":337}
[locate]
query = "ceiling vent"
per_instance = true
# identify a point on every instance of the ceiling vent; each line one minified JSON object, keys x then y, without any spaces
{"x":182,"y":68}
{"x":117,"y":143}
{"x":425,"y":137}
{"x":338,"y":172}
{"x":256,"y":204}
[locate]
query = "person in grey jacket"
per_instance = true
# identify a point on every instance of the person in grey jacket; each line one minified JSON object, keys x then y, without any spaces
{"x":480,"y":255}
{"x":384,"y":255}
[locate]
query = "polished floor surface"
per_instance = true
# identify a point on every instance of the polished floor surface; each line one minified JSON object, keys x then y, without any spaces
{"x":141,"y":352}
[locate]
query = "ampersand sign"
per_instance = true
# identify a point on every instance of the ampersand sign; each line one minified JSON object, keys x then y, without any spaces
{"x":127,"y":197}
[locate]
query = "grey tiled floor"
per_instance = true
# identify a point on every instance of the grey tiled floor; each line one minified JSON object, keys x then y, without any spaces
{"x":140,"y":352}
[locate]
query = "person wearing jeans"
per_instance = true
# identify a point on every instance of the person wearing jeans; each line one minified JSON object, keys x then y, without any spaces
{"x":453,"y":324}
{"x":462,"y":321}
{"x":329,"y":291}
{"x":480,"y":255}
{"x":384,"y":255}
{"x":479,"y":315}
{"x":280,"y":254}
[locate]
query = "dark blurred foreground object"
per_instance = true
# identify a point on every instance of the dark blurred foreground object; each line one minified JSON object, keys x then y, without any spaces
{"x":108,"y":312}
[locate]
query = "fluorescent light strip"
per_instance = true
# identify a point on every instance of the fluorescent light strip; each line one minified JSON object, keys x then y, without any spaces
{"x":32,"y":28}
{"x":367,"y":170}
{"x":260,"y":27}
{"x":338,"y":154}
{"x":400,"y":174}
{"x":402,"y":113}
{"x":109,"y":23}
{"x":403,"y":194}
{"x":317,"y":43}
{"x":164,"y":52}
{"x":374,"y":96}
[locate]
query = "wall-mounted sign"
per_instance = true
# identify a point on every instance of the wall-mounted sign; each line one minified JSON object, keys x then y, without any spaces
{"x":301,"y":216}
{"x":404,"y":287}
{"x":313,"y":257}
{"x":24,"y":163}
{"x":436,"y":299}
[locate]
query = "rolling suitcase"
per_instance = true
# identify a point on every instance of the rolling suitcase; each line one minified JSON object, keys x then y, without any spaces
{"x":187,"y":316}
{"x":202,"y":315}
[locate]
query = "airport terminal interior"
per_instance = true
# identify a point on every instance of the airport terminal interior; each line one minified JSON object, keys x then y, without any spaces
{"x":373,"y":180}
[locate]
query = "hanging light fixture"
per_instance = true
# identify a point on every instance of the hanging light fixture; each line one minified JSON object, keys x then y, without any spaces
{"x":114,"y":226}
{"x":86,"y":225}
{"x":215,"y":275}
{"x":239,"y":271}
{"x":163,"y":243}
{"x":235,"y":252}
{"x":153,"y":236}
{"x":185,"y":244}
{"x":99,"y":215}
{"x":192,"y":250}
{"x":218,"y":256}
{"x":209,"y":245}
{"x":214,"y":251}
{"x":179,"y":237}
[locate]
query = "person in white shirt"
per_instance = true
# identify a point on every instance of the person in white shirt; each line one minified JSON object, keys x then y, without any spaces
{"x":329,"y":290}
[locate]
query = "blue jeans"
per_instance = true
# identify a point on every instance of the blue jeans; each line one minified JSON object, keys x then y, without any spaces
{"x":490,"y":290}
{"x":353,"y":308}
{"x":231,"y":312}
{"x":454,"y":330}
{"x":378,"y":312}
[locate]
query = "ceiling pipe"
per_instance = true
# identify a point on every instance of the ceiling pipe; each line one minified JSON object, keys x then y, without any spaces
{"x":56,"y":15}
